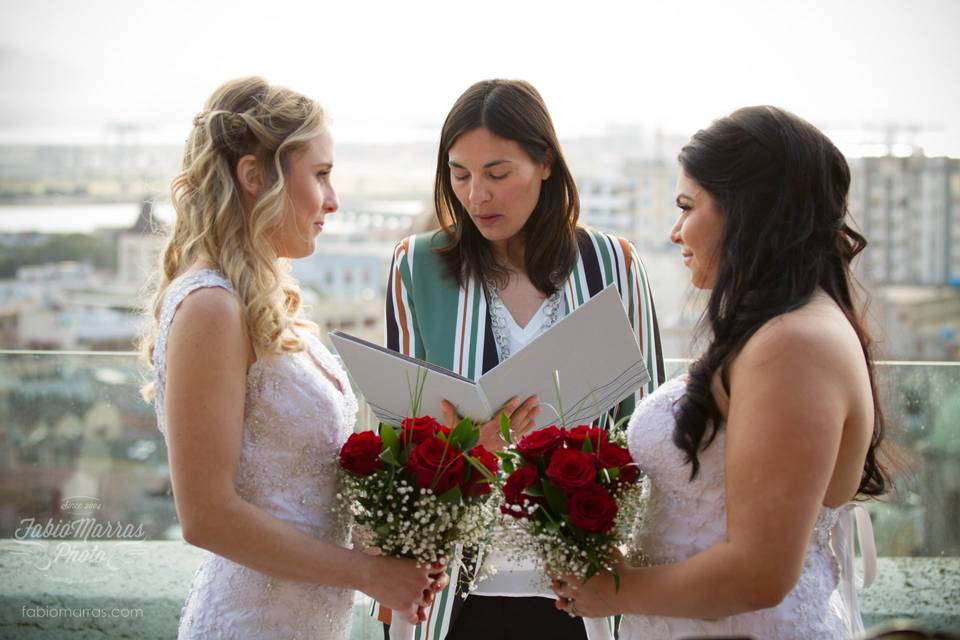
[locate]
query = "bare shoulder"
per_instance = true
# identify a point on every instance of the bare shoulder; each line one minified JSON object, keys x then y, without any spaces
{"x":817,"y":336}
{"x":211,"y":304}
{"x":210,"y":320}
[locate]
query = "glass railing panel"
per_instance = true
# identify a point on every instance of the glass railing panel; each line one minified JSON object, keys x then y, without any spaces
{"x":74,"y":428}
{"x":77,"y":441}
{"x":74,"y":425}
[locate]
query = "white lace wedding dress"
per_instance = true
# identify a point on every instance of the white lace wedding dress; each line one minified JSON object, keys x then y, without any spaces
{"x":295,"y":421}
{"x":682,"y":518}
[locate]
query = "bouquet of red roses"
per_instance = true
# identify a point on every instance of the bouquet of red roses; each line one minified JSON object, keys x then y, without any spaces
{"x":419,"y":491}
{"x":572,"y":495}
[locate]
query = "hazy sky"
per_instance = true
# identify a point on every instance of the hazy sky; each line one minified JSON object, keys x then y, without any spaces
{"x":389,"y":71}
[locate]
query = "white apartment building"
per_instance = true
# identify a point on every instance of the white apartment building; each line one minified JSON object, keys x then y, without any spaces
{"x":909,"y":210}
{"x":609,"y":203}
{"x":635,"y":201}
{"x":346,"y":270}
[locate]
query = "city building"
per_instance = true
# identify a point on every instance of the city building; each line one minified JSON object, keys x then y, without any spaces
{"x":916,"y":322}
{"x":909,"y":210}
{"x":635,"y":201}
{"x":139,"y":248}
{"x":610,"y":202}
{"x":345,"y":270}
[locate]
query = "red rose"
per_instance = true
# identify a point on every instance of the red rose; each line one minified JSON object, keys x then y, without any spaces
{"x":513,"y":488}
{"x":436,"y":465}
{"x":477,"y":484}
{"x":540,"y":443}
{"x":592,"y":509}
{"x":360,"y":454}
{"x":416,"y":430}
{"x":570,"y":469}
{"x":614,"y":456}
{"x":577,"y":435}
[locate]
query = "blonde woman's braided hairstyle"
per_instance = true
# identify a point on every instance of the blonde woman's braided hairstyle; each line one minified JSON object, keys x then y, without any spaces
{"x":244,"y":116}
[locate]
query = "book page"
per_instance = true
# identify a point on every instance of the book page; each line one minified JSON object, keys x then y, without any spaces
{"x":596,"y":354}
{"x":388,"y":382}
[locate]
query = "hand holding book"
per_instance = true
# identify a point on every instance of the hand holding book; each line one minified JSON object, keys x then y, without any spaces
{"x":522,"y":419}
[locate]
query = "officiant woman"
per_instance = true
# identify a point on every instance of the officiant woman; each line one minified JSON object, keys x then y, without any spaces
{"x":508,"y":261}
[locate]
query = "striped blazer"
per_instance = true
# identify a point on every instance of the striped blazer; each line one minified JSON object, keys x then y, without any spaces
{"x":431,"y":317}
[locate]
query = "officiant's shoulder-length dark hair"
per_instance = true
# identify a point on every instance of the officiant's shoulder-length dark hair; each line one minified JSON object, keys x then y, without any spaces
{"x":781,"y":186}
{"x":514,"y":110}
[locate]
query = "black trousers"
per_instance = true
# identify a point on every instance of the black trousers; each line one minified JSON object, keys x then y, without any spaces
{"x":497,"y":618}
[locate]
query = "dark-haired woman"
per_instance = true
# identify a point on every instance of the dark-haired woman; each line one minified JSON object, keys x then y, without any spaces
{"x":753,"y":457}
{"x":508,"y":262}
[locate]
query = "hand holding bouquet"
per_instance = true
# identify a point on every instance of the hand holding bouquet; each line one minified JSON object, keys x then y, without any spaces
{"x":419,"y":491}
{"x":572,"y":497}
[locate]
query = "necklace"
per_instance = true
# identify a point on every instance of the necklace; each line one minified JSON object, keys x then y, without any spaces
{"x":498,"y":317}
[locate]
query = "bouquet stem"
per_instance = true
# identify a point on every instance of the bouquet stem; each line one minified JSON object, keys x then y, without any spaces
{"x":596,"y":628}
{"x":400,"y":629}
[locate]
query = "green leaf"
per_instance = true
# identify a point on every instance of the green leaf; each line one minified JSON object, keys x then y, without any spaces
{"x":472,"y":441}
{"x":587,"y":445}
{"x":616,"y":581}
{"x":389,"y":435}
{"x":461,"y":433}
{"x":452,"y":496}
{"x":418,"y":396}
{"x":555,"y":498}
{"x":388,"y":456}
{"x":505,"y":428}
{"x":535,"y":490}
{"x":507,"y":463}
{"x":609,"y":475}
{"x":476,"y":464}
{"x":619,"y":423}
{"x":415,"y":390}
{"x":556,"y":386}
{"x":405,"y":454}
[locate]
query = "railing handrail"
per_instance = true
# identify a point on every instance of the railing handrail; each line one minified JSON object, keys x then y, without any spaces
{"x":136,"y":354}
{"x":44,"y":352}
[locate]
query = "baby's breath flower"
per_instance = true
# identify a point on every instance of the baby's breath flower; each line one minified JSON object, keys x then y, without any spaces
{"x":404,"y":521}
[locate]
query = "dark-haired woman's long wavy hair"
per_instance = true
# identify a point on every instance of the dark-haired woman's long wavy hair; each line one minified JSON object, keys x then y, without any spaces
{"x":781,"y":186}
{"x":514,"y":110}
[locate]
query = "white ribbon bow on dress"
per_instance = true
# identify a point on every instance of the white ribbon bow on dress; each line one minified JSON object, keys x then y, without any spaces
{"x":854,"y":520}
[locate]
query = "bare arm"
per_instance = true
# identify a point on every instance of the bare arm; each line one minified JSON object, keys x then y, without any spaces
{"x":207,"y":358}
{"x":788,"y":406}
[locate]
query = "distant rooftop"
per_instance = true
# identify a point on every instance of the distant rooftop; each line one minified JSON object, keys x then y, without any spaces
{"x":147,"y":223}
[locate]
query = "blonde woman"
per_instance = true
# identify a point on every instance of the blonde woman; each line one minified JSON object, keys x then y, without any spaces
{"x":253,"y":407}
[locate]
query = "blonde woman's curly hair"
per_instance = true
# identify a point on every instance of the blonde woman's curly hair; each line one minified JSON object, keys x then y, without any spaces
{"x":243,"y":116}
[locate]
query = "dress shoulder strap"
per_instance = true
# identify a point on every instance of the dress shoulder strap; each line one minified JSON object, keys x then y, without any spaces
{"x":179,"y":289}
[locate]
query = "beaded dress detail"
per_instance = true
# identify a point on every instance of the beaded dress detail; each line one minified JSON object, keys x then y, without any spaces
{"x":295,"y":421}
{"x":680,"y":518}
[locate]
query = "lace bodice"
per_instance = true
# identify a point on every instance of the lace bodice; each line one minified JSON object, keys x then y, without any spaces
{"x":295,"y":421}
{"x":681,"y":518}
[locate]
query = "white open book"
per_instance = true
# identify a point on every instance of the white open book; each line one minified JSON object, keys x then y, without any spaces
{"x":593,"y":350}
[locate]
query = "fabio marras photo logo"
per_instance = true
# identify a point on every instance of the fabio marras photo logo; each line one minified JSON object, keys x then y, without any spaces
{"x":65,"y":548}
